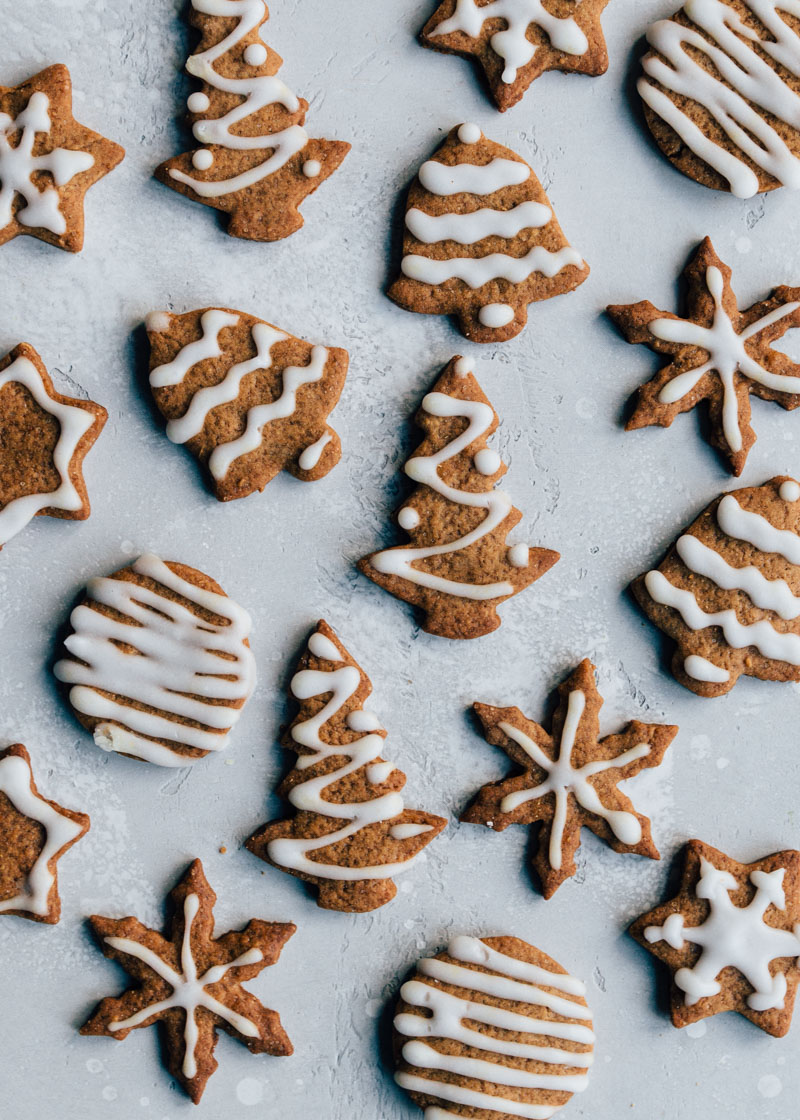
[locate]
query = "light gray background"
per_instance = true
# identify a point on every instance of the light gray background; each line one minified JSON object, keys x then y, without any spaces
{"x":609,"y":502}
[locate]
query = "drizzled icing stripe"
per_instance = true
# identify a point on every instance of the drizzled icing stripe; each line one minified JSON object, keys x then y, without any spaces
{"x":424,"y":469}
{"x":18,"y":165}
{"x":751,"y":527}
{"x":308,"y":796}
{"x":477,"y":271}
{"x":729,"y":44}
{"x":563,"y":780}
{"x":258,"y":91}
{"x":182,"y":664}
{"x":472,"y":178}
{"x":74,"y":423}
{"x":509,"y":980}
{"x":466,"y":229}
{"x":60,"y":831}
{"x":512,"y":43}
{"x":768,"y":594}
{"x":189,"y":991}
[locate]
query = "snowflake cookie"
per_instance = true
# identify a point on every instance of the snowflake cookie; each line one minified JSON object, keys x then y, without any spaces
{"x":190,"y":982}
{"x":481,"y":240}
{"x":716,"y":354}
{"x":47,"y":161}
{"x":34,"y":835}
{"x":256,"y":161}
{"x":730,"y":937}
{"x":44,"y":438}
{"x":247,"y":399}
{"x":569,"y":778}
{"x":351,"y":832}
{"x":728,"y":591}
{"x":158,"y":662}
{"x":492,"y":1027}
{"x":459,"y":566}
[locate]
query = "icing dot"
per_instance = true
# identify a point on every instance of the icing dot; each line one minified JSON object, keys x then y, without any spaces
{"x":249,"y":1091}
{"x":363,"y":721}
{"x":789,"y":491}
{"x":463,"y":367}
{"x":158,"y":321}
{"x":696,"y":1030}
{"x":496,"y":315}
{"x":255,"y":54}
{"x":469,"y":134}
{"x":487,"y":461}
{"x":202,"y":159}
{"x":408,"y":518}
{"x":312,"y":168}
{"x":769,"y":1085}
{"x":519,"y":555}
{"x":198,"y":103}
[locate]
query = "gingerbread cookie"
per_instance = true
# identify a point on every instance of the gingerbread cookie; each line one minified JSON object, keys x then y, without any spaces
{"x":721,"y":91}
{"x":515,"y":41}
{"x":730,"y":937}
{"x":257,"y":163}
{"x":247,"y":399}
{"x":492,"y":1028}
{"x":481,"y":240}
{"x":716,"y":354}
{"x":570,"y":778}
{"x":34,"y":835}
{"x":191,"y":982}
{"x":158,"y":662}
{"x":459,"y":567}
{"x":351,"y":833}
{"x":728,"y":591}
{"x":47,"y":161}
{"x":44,"y":438}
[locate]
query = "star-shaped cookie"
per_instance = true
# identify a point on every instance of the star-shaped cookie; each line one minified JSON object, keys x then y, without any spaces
{"x":191,"y":982}
{"x":716,"y":353}
{"x":569,"y":778}
{"x":44,"y":438}
{"x":730,"y":937}
{"x":515,"y":41}
{"x":48,"y":161}
{"x":34,"y":835}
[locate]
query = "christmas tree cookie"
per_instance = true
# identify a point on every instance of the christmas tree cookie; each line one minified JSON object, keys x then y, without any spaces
{"x":256,"y":161}
{"x":481,"y":240}
{"x":351,"y":833}
{"x":247,"y":399}
{"x":516,"y":41}
{"x":730,"y":937}
{"x":47,"y":161}
{"x":459,"y":566}
{"x":190,"y":982}
{"x":716,"y":354}
{"x":44,"y":438}
{"x":728,"y":591}
{"x":34,"y":835}
{"x":158,"y":662}
{"x":493,"y":1028}
{"x":570,"y":778}
{"x":721,"y":93}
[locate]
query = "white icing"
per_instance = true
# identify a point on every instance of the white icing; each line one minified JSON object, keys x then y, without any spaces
{"x":256,"y":93}
{"x":158,"y":321}
{"x":496,"y":315}
{"x":207,"y":346}
{"x":189,"y":991}
{"x":768,"y":594}
{"x":294,"y":853}
{"x":379,"y":772}
{"x":362,"y":720}
{"x":564,"y":780}
{"x":18,"y":165}
{"x":509,"y":980}
{"x":487,"y":462}
{"x":407,"y":831}
{"x":519,"y":556}
{"x":512,"y":42}
{"x":198,"y":102}
{"x":469,"y":133}
{"x":472,"y":178}
{"x":727,"y":355}
{"x":750,"y":84}
{"x":312,"y":454}
{"x":202,"y":159}
{"x":756,"y":530}
{"x":733,"y":936}
{"x":463,"y":367}
{"x":408,"y":518}
{"x":466,"y":229}
{"x":789,"y":491}
{"x":74,"y":423}
{"x":477,"y":271}
{"x":255,"y":54}
{"x":60,"y":831}
{"x":323,"y":647}
{"x":180,"y":664}
{"x":312,"y":168}
{"x":424,"y":469}
{"x":701,"y":669}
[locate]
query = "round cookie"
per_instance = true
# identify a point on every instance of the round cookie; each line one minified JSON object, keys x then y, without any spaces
{"x":492,"y":1027}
